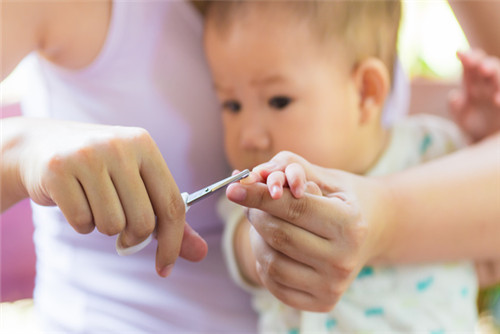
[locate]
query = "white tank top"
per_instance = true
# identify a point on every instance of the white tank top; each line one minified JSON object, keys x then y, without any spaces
{"x":150,"y":73}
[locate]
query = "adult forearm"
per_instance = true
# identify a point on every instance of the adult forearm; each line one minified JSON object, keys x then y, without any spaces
{"x":480,"y":21}
{"x":447,"y":209}
{"x":12,"y":190}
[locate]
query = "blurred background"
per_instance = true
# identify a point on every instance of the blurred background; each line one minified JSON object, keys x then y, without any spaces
{"x":429,"y":38}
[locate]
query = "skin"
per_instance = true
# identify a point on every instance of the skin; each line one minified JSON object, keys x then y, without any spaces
{"x":480,"y":21}
{"x":380,"y":219}
{"x":388,"y":219}
{"x":476,"y":107}
{"x":110,"y":178}
{"x":271,"y":91}
{"x":309,"y":100}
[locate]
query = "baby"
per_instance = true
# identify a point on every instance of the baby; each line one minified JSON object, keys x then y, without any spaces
{"x":312,"y":77}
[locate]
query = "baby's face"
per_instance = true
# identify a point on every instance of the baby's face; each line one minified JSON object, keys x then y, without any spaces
{"x":280,"y":90}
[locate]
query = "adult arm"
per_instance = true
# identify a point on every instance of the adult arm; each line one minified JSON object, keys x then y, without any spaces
{"x":110,"y":178}
{"x":480,"y":21}
{"x":444,"y":210}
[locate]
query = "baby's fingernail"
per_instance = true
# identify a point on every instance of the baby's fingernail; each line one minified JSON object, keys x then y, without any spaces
{"x":275,"y":191}
{"x":166,"y":270}
{"x":251,"y":178}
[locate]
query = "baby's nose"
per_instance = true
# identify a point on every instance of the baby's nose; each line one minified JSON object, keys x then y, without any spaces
{"x":255,"y":136}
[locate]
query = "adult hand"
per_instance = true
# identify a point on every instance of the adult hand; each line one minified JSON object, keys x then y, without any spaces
{"x":106,"y":177}
{"x":309,"y":249}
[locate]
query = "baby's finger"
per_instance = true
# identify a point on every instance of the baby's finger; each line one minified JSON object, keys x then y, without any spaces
{"x":278,"y":163}
{"x":283,"y":159}
{"x":251,"y":178}
{"x":275,"y":183}
{"x":296,"y":179}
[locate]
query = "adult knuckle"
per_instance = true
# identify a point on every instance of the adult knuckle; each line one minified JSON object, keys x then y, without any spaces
{"x":142,"y":137}
{"x":81,"y":221}
{"x":358,"y":234}
{"x":268,"y":263}
{"x":296,"y":209}
{"x":86,"y":155}
{"x":343,"y":270}
{"x":56,"y":165}
{"x":112,"y":225}
{"x":273,"y":271}
{"x":144,"y":224}
{"x":279,"y":238}
{"x":116,"y":149}
{"x":174,"y":208}
{"x":331,"y":291}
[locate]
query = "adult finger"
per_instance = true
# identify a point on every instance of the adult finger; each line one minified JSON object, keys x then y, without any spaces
{"x":101,"y":194}
{"x":67,"y":193}
{"x":296,"y":298}
{"x":293,"y":241}
{"x":279,"y":268}
{"x":168,"y":207}
{"x":139,"y":214}
{"x":313,"y":213}
{"x":193,"y":247}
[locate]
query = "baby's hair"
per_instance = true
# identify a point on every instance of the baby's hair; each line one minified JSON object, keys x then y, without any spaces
{"x":368,"y":28}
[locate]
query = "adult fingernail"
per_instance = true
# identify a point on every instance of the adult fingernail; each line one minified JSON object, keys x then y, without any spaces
{"x":166,"y":270}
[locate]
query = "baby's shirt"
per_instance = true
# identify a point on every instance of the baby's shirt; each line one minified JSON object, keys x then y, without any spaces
{"x":425,"y":298}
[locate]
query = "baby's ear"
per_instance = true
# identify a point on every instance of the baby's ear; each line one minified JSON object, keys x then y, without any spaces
{"x":373,"y":84}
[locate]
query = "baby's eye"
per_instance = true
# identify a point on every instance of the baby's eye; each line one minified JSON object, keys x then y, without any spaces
{"x":279,"y":102}
{"x":232,"y":106}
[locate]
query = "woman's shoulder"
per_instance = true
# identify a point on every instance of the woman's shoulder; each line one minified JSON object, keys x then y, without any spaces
{"x":74,"y":32}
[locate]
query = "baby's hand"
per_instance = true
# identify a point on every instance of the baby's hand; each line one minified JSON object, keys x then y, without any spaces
{"x":476,"y":105}
{"x":293,"y":177}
